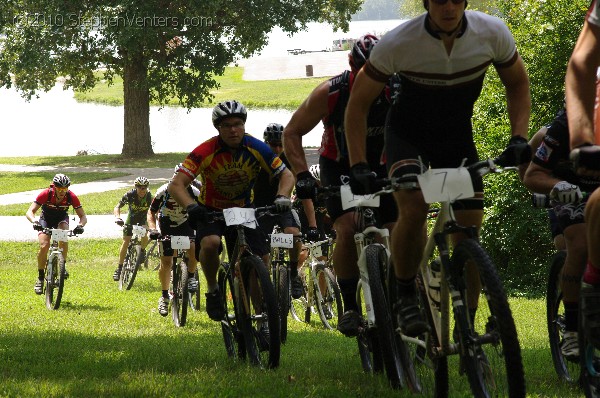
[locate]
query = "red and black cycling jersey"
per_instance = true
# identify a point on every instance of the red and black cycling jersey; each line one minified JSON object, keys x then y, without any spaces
{"x":228,"y":175}
{"x":333,"y":142}
{"x":138,"y":207}
{"x":553,"y":154}
{"x":54,"y":209}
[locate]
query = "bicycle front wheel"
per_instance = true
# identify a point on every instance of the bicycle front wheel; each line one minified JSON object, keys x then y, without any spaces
{"x":300,"y":308}
{"x":377,"y":262}
{"x":232,"y":335}
{"x":133,"y":260}
{"x":567,"y":369}
{"x":589,"y":359}
{"x":55,"y":281}
{"x":194,"y":298}
{"x":259,"y":313}
{"x":490,"y":348}
{"x":180,"y":295}
{"x":327,"y":297}
{"x":283,"y":298}
{"x":152,"y":259}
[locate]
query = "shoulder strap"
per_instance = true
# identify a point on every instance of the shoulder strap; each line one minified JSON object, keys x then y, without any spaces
{"x":337,"y":116}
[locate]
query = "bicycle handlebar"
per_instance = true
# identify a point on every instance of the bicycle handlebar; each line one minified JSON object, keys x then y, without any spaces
{"x":48,"y":231}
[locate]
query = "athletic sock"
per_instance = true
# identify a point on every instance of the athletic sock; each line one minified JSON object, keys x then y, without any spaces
{"x":165,"y":294}
{"x":591,"y":274}
{"x":40,"y":274}
{"x":348,"y":290}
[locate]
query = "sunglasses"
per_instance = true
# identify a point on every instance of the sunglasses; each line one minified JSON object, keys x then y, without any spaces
{"x":237,"y":125}
{"x":445,"y":1}
{"x":62,"y":189}
{"x":141,"y":187}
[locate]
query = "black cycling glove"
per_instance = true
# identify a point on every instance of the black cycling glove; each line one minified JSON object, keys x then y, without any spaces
{"x":37,"y":226}
{"x":313,"y":234}
{"x":586,"y":156}
{"x":78,"y":230}
{"x":153,"y":234}
{"x":196,"y":214}
{"x":517,"y":151}
{"x":362,"y":179}
{"x":306,"y":185}
{"x":119,"y":222}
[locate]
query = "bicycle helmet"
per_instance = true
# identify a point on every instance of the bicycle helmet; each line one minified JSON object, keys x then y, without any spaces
{"x":141,"y":181}
{"x":273,"y":132}
{"x":61,"y":180}
{"x":426,"y":4}
{"x":315,"y":171}
{"x":227,"y":109}
{"x":361,"y":50}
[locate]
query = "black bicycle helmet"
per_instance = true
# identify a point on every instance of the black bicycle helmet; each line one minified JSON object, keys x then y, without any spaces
{"x":361,"y":50}
{"x":273,"y":132}
{"x":227,"y":109}
{"x":61,"y":180}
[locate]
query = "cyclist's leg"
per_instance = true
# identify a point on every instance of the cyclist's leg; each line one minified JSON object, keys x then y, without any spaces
{"x":208,"y":250}
{"x":590,"y":289}
{"x":164,"y":276}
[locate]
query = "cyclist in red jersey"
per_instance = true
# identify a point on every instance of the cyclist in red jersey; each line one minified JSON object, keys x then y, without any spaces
{"x":227,"y":166}
{"x":327,"y":103}
{"x":585,"y":152}
{"x":55,"y":202}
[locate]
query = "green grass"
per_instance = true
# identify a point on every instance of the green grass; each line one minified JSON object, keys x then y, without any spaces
{"x":112,"y":161}
{"x":17,"y":182}
{"x":255,"y":94}
{"x":106,"y":342}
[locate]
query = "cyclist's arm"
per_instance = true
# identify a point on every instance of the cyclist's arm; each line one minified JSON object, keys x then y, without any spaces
{"x":309,"y":212}
{"x":178,"y":189}
{"x":307,"y":116}
{"x":30,"y":214}
{"x":580,"y":86}
{"x":539,"y":179}
{"x":151,"y":218}
{"x":363,"y":93}
{"x":518,"y":98}
{"x":534,"y":143}
{"x":82,"y":217}
{"x":286,"y":183}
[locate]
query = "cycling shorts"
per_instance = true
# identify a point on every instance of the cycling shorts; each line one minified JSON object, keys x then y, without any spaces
{"x":52,"y":222}
{"x":569,"y":213}
{"x":180,"y":230}
{"x":266,"y":224}
{"x":555,"y":228}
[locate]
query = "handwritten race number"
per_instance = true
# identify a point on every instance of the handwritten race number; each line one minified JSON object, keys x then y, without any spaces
{"x":139,"y":231}
{"x":240,"y":216}
{"x":282,"y":240}
{"x":446,"y":185}
{"x":180,"y":242}
{"x":350,"y":200}
{"x":60,"y":235}
{"x":317,"y":251}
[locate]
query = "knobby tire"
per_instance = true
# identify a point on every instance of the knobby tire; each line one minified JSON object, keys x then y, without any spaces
{"x":329,"y":301}
{"x":179,"y":302}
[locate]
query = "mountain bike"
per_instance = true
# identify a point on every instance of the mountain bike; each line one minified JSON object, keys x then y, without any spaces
{"x":153,"y":253}
{"x":180,"y":297}
{"x":322,"y":294}
{"x":54,"y":275}
{"x":133,"y":258}
{"x":487,"y":344}
{"x":194,"y":297}
{"x":251,"y":323}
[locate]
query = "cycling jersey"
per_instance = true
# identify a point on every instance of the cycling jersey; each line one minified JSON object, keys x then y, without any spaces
{"x":228,"y":175}
{"x":333,"y":142}
{"x":52,"y":209}
{"x":553,"y":154}
{"x":169,"y":211}
{"x":138,"y":207}
{"x":593,"y":14}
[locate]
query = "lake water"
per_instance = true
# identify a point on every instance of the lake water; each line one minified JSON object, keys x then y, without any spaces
{"x":56,"y":124}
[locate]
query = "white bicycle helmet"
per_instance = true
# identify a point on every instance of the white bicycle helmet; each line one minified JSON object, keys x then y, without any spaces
{"x":315,"y":171}
{"x":141,"y":181}
{"x":227,"y":109}
{"x":61,"y":180}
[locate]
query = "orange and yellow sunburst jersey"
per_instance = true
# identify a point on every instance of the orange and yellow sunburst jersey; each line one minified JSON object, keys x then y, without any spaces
{"x":228,"y":176}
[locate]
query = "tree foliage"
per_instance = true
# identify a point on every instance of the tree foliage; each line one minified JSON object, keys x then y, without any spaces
{"x":161,"y":48}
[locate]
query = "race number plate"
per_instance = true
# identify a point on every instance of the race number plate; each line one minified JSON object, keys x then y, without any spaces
{"x":139,"y":231}
{"x":240,"y":216}
{"x":180,"y":242}
{"x":60,"y":235}
{"x":282,"y":240}
{"x":446,"y":185}
{"x":350,"y":200}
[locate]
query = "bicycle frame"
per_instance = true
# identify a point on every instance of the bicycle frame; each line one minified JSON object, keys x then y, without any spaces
{"x":314,"y":253}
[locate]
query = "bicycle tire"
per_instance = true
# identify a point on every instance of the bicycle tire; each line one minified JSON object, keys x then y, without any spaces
{"x":232,"y":335}
{"x":194,"y":297}
{"x":55,"y":280}
{"x":494,"y":368}
{"x":130,"y":271}
{"x":152,"y":256}
{"x":283,"y":299}
{"x":589,"y":362}
{"x":300,"y":307}
{"x":260,"y":295}
{"x":377,"y":262}
{"x":567,"y":370}
{"x":180,"y":295}
{"x":328,"y":301}
{"x":369,"y":349}
{"x":429,"y":367}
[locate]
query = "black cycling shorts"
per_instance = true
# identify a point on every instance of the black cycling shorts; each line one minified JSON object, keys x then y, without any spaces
{"x":52,"y":222}
{"x":336,"y":173}
{"x":180,"y":230}
{"x":266,"y":223}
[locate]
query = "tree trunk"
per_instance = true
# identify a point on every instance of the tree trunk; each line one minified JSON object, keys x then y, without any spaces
{"x":136,"y":103}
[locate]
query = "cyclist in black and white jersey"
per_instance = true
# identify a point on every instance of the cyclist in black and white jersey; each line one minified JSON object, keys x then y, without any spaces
{"x":441,"y":58}
{"x":172,"y":221}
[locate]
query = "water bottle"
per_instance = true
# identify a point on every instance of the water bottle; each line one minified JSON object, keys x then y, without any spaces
{"x":435,"y":278}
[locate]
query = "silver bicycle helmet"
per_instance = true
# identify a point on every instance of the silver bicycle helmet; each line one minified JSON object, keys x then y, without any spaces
{"x":61,"y":180}
{"x":273,"y":132}
{"x":141,"y":181}
{"x":227,"y":109}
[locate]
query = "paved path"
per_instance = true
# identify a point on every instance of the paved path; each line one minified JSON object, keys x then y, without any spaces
{"x":17,"y":228}
{"x":323,"y":64}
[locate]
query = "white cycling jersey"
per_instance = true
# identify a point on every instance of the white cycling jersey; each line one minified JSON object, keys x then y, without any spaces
{"x":168,"y":207}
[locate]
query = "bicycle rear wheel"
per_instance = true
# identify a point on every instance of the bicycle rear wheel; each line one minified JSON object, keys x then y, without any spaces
{"x":377,"y":263}
{"x":260,"y":318}
{"x":55,"y":280}
{"x":566,"y":369}
{"x":180,"y":295}
{"x":130,"y":266}
{"x":232,"y":335}
{"x":194,"y":297}
{"x":328,"y":297}
{"x":490,"y":348}
{"x":300,"y":308}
